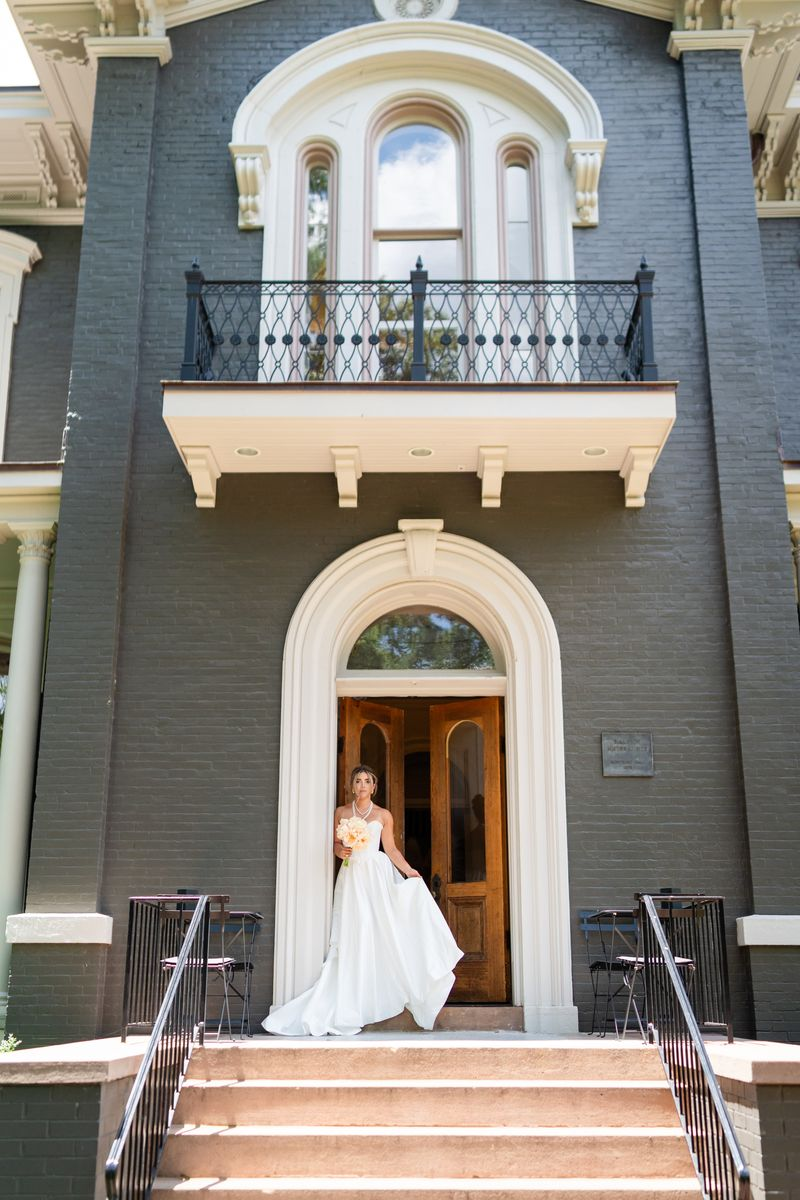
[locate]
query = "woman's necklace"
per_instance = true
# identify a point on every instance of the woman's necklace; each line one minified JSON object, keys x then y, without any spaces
{"x":363,"y":816}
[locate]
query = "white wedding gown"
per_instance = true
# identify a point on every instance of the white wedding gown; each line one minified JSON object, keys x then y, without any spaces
{"x":390,"y":949}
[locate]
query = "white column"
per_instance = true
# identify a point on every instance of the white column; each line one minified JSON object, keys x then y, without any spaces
{"x":21,"y":726}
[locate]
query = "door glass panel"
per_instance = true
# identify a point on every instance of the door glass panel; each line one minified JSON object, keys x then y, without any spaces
{"x":417,"y":179}
{"x":467,"y":821}
{"x":418,"y":638}
{"x":373,"y":754}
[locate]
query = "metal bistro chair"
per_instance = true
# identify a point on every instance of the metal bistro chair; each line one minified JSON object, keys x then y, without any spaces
{"x":612,"y":930}
{"x":237,"y":934}
{"x":221,"y":966}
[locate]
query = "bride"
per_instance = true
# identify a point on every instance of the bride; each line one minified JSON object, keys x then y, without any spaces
{"x":390,"y":947}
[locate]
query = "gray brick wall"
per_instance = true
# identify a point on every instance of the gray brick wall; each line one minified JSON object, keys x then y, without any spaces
{"x":48,"y":1140}
{"x":40,"y":362}
{"x":780,"y":244}
{"x":767,"y":1124}
{"x":638,"y":597}
{"x":55,"y":993}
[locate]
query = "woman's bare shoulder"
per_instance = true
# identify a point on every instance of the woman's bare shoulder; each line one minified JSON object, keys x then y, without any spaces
{"x":344,"y":810}
{"x":382,"y":814}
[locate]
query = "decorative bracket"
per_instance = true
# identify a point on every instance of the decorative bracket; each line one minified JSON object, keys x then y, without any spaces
{"x":45,"y":161}
{"x":584,"y":159}
{"x":76,"y":160}
{"x":347,"y":466}
{"x":636,"y":470}
{"x":202,"y":466}
{"x":251,"y":164}
{"x":491,"y":469}
{"x":421,"y":537}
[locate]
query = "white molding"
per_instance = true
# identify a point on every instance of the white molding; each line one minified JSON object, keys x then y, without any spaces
{"x":250,"y":164}
{"x":491,"y":469}
{"x":420,"y":683}
{"x":636,"y":471}
{"x":777,"y":208}
{"x":23,"y":215}
{"x":128,"y":47}
{"x":397,"y":10}
{"x":45,"y":162}
{"x":59,"y":929}
{"x":421,"y":537}
{"x":347,"y":469}
{"x":348,"y":595}
{"x":683,"y":41}
{"x":657,"y":10}
{"x":755,"y":930}
{"x":420,"y":54}
{"x":18,"y":256}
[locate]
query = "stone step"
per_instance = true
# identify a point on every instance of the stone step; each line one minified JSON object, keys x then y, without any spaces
{"x":418,"y":1058}
{"x":465,"y":1152}
{"x":459,"y":1018}
{"x":414,"y":1102}
{"x":433,"y":1189}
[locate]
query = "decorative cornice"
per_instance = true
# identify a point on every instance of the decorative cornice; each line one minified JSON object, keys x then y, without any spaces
{"x":777,"y":208}
{"x":683,"y":41}
{"x":37,"y":140}
{"x":129,"y":47}
{"x":76,"y":159}
{"x":18,"y":255}
{"x":18,"y":214}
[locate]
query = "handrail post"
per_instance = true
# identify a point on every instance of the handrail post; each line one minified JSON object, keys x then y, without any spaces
{"x":194,"y":286}
{"x":419,"y":286}
{"x":644,"y":282}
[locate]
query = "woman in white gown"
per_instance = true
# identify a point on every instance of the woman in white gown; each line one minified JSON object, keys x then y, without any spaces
{"x":390,"y":947}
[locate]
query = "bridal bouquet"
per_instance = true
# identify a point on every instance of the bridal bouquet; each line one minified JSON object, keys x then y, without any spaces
{"x":352,"y":832}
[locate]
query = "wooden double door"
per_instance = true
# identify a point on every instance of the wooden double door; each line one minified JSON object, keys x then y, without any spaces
{"x":441,"y":772}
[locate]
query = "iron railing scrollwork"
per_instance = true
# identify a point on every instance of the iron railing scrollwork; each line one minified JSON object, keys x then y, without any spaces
{"x":163,"y":931}
{"x":690,"y":929}
{"x":445,"y":331}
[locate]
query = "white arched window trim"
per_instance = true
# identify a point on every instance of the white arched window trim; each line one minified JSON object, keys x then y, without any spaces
{"x":336,"y":86}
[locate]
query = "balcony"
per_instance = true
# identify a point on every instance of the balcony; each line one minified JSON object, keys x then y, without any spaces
{"x":419,"y":375}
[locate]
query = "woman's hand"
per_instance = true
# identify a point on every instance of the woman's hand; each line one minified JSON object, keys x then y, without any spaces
{"x":342,"y":851}
{"x":412,"y":874}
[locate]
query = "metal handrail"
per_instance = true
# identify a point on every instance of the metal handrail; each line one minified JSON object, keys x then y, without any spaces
{"x":132,"y":1163}
{"x":673,"y":1027}
{"x":419,"y":329}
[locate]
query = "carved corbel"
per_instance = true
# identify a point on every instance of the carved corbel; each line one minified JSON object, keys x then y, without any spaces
{"x":76,"y":159}
{"x":585,"y":158}
{"x":251,"y":164}
{"x":108,"y":17}
{"x":347,"y":468}
{"x":727,"y":11}
{"x":491,"y":469}
{"x":766,"y":162}
{"x":45,"y":162}
{"x":636,"y":471}
{"x":152,"y":19}
{"x":202,"y":466}
{"x":693,"y":14}
{"x":791,"y":180}
{"x":421,"y":537}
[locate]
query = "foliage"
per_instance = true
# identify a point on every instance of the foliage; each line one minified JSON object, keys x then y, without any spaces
{"x":413,"y":640}
{"x":9,"y":1043}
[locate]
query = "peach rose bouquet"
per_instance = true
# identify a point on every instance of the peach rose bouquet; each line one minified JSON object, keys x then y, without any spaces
{"x":353,"y":833}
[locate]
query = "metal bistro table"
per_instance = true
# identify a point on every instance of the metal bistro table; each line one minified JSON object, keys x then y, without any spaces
{"x":617,"y":930}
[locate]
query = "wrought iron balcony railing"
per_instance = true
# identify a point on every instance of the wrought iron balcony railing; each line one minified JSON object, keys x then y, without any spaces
{"x":449,"y":331}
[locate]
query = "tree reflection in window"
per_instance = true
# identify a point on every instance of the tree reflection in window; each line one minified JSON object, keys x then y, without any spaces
{"x":420,"y":639}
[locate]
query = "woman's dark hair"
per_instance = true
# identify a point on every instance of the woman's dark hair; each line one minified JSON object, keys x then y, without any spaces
{"x":367,"y":771}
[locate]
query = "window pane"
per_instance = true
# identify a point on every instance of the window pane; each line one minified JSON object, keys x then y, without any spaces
{"x":519,"y":242}
{"x":441,"y":259}
{"x":467,"y":824}
{"x":420,"y":639}
{"x":317,"y":222}
{"x":373,"y":754}
{"x":417,"y":179}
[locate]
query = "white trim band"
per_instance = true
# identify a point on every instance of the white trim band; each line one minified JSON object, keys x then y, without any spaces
{"x":59,"y":929}
{"x":768,"y":931}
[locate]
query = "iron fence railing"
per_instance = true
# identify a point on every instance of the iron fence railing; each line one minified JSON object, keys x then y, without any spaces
{"x":162,"y":929}
{"x":673,"y":1026}
{"x":448,"y":331}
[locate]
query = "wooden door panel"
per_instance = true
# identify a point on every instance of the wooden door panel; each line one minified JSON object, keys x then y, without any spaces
{"x":354,"y":717}
{"x":468,"y":848}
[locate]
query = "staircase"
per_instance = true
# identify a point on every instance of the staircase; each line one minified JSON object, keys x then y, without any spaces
{"x":424,"y":1118}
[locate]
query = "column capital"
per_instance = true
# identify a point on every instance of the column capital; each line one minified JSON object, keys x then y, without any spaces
{"x":35,"y":539}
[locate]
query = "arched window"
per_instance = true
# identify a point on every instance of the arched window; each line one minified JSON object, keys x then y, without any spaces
{"x":317,"y":211}
{"x":420,"y":638}
{"x":419,"y":204}
{"x":519,"y":218}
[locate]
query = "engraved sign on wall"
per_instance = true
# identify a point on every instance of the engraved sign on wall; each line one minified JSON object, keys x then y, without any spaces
{"x":627,"y":754}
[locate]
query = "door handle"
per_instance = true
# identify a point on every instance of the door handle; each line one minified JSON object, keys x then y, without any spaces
{"x":436,"y":887}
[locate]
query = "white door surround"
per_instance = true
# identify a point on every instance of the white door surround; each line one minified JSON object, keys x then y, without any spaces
{"x":422,"y":564}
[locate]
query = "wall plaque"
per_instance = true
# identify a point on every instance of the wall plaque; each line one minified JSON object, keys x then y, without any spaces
{"x":628,"y":754}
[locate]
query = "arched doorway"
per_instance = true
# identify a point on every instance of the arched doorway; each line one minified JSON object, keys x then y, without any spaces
{"x":421,"y":564}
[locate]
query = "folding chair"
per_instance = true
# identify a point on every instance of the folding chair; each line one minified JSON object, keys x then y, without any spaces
{"x":614,"y":929}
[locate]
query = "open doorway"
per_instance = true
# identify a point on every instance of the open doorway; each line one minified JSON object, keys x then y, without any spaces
{"x":441,"y":770}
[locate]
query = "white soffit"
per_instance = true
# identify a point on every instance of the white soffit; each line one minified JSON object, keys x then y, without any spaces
{"x":295,"y":428}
